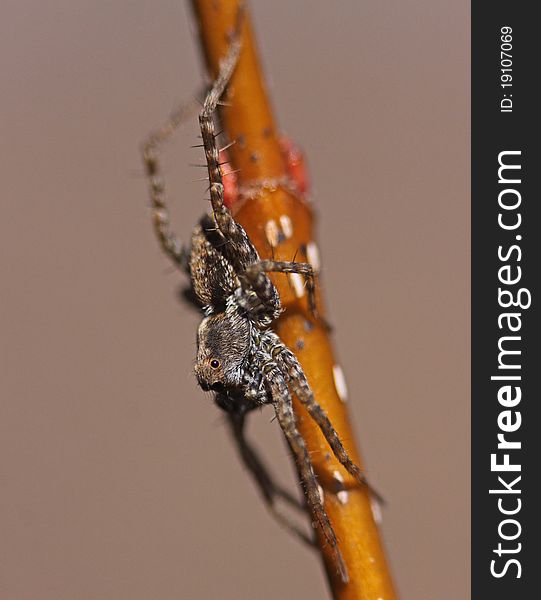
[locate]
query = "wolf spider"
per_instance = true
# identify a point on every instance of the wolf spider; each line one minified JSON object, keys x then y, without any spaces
{"x":239,"y":356}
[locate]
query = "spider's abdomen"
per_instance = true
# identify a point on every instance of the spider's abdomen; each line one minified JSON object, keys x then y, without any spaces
{"x":213,"y":277}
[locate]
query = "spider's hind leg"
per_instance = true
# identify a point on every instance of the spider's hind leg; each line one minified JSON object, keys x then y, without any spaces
{"x":270,"y":490}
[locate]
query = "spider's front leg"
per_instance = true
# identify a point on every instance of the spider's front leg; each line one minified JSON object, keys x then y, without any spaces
{"x":237,"y":247}
{"x":270,"y":490}
{"x":170,"y":243}
{"x":286,"y":417}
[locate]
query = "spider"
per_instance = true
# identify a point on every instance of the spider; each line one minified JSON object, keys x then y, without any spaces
{"x":239,"y":357}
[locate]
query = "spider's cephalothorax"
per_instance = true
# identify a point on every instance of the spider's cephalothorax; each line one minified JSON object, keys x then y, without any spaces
{"x":239,"y":357}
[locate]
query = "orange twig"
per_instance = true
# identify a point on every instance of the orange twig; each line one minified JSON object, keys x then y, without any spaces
{"x":248,"y":119}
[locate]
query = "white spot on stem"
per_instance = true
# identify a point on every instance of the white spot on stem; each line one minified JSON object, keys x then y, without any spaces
{"x":287,"y":226}
{"x":376,"y":510}
{"x":338,"y":476}
{"x":272,"y":233}
{"x":312,"y":253}
{"x":298,"y":284}
{"x":340,"y":383}
{"x":343,"y":497}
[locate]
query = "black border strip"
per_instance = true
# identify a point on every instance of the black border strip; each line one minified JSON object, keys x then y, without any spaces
{"x":494,"y":132}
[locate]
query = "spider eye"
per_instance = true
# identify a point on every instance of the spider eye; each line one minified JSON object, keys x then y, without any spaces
{"x":214,"y":363}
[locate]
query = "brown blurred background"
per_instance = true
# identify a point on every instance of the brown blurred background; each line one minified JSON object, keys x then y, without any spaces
{"x":118,"y":480}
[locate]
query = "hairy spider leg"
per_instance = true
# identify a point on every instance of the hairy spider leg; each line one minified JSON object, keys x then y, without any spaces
{"x":270,"y":490}
{"x":171,"y":244}
{"x":261,"y":283}
{"x":286,"y":418}
{"x":238,"y":248}
{"x":304,"y":393}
